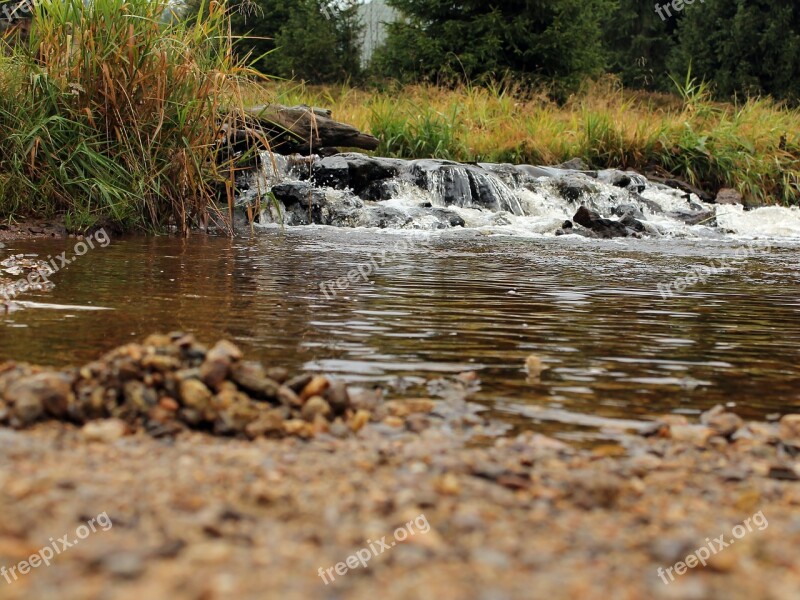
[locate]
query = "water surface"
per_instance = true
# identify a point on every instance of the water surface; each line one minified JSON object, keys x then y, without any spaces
{"x":591,"y":311}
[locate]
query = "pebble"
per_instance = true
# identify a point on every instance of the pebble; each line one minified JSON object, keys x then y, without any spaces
{"x":106,"y":430}
{"x":789,"y":430}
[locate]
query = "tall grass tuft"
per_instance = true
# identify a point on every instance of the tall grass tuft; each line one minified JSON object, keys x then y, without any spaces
{"x":112,"y":112}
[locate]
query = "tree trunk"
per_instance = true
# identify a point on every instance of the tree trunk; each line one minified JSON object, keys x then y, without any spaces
{"x":303,"y":129}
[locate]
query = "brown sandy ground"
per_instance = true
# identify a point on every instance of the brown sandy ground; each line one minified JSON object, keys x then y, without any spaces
{"x":201,"y":517}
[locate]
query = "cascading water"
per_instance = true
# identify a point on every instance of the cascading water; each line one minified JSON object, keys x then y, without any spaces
{"x":354,"y":190}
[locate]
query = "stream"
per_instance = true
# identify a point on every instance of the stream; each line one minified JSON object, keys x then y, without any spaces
{"x":399,"y":308}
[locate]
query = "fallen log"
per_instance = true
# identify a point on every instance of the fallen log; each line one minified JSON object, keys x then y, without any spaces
{"x":298,"y":130}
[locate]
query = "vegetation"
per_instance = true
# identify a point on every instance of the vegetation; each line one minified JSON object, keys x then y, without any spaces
{"x":753,"y":146}
{"x":112,"y":112}
{"x":313,"y":40}
{"x":743,"y":48}
{"x":442,"y":40}
{"x":740,"y":47}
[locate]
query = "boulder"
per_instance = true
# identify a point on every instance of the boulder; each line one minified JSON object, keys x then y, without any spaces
{"x":606,"y":228}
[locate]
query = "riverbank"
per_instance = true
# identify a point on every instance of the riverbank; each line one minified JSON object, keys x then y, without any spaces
{"x":432,"y":500}
{"x":31,"y":230}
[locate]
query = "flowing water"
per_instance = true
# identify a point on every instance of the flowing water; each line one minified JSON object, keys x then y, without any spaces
{"x":610,"y":345}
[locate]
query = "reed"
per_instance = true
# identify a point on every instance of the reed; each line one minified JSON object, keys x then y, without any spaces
{"x":111,"y":113}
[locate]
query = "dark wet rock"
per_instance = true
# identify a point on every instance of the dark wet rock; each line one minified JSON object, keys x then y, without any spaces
{"x":252,"y":377}
{"x":337,"y":397}
{"x":298,"y":383}
{"x":490,"y":192}
{"x":566,"y":229}
{"x":574,"y":188}
{"x":632,"y":223}
{"x":384,"y":217}
{"x":384,"y":189}
{"x":306,"y":205}
{"x":629,"y":180}
{"x":653,"y":207}
{"x":605,"y":228}
{"x":684,"y":187}
{"x":785,"y":472}
{"x":447,"y":180}
{"x":354,"y":171}
{"x":332,"y":172}
{"x":448,"y":218}
{"x":217,"y":364}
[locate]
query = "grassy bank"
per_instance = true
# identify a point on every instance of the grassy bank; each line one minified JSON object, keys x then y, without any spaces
{"x":110,"y":113}
{"x":753,"y":146}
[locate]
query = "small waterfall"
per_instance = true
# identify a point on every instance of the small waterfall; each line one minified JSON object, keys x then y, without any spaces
{"x":448,"y":185}
{"x":354,"y":190}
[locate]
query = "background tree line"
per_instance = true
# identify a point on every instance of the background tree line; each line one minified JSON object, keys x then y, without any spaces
{"x":740,"y":46}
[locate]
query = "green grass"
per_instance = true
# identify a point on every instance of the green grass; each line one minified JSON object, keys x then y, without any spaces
{"x":753,"y":145}
{"x":110,"y":115}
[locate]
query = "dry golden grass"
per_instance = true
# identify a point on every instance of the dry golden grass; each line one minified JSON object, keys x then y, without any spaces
{"x":753,"y":146}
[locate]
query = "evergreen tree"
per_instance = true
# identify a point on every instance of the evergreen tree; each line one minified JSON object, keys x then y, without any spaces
{"x":750,"y":47}
{"x":640,"y":44}
{"x":442,"y":40}
{"x":314,"y":40}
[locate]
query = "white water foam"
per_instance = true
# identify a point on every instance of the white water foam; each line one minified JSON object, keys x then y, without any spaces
{"x":540,"y":209}
{"x":769,"y":221}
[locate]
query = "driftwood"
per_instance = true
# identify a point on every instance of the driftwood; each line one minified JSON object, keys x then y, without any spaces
{"x":298,"y":129}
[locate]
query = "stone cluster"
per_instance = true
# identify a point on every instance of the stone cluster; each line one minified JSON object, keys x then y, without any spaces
{"x":172,"y":382}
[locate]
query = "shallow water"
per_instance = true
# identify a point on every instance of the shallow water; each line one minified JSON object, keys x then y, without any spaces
{"x":611,"y":346}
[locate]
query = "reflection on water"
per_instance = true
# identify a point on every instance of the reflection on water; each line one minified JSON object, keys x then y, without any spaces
{"x":591,"y":311}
